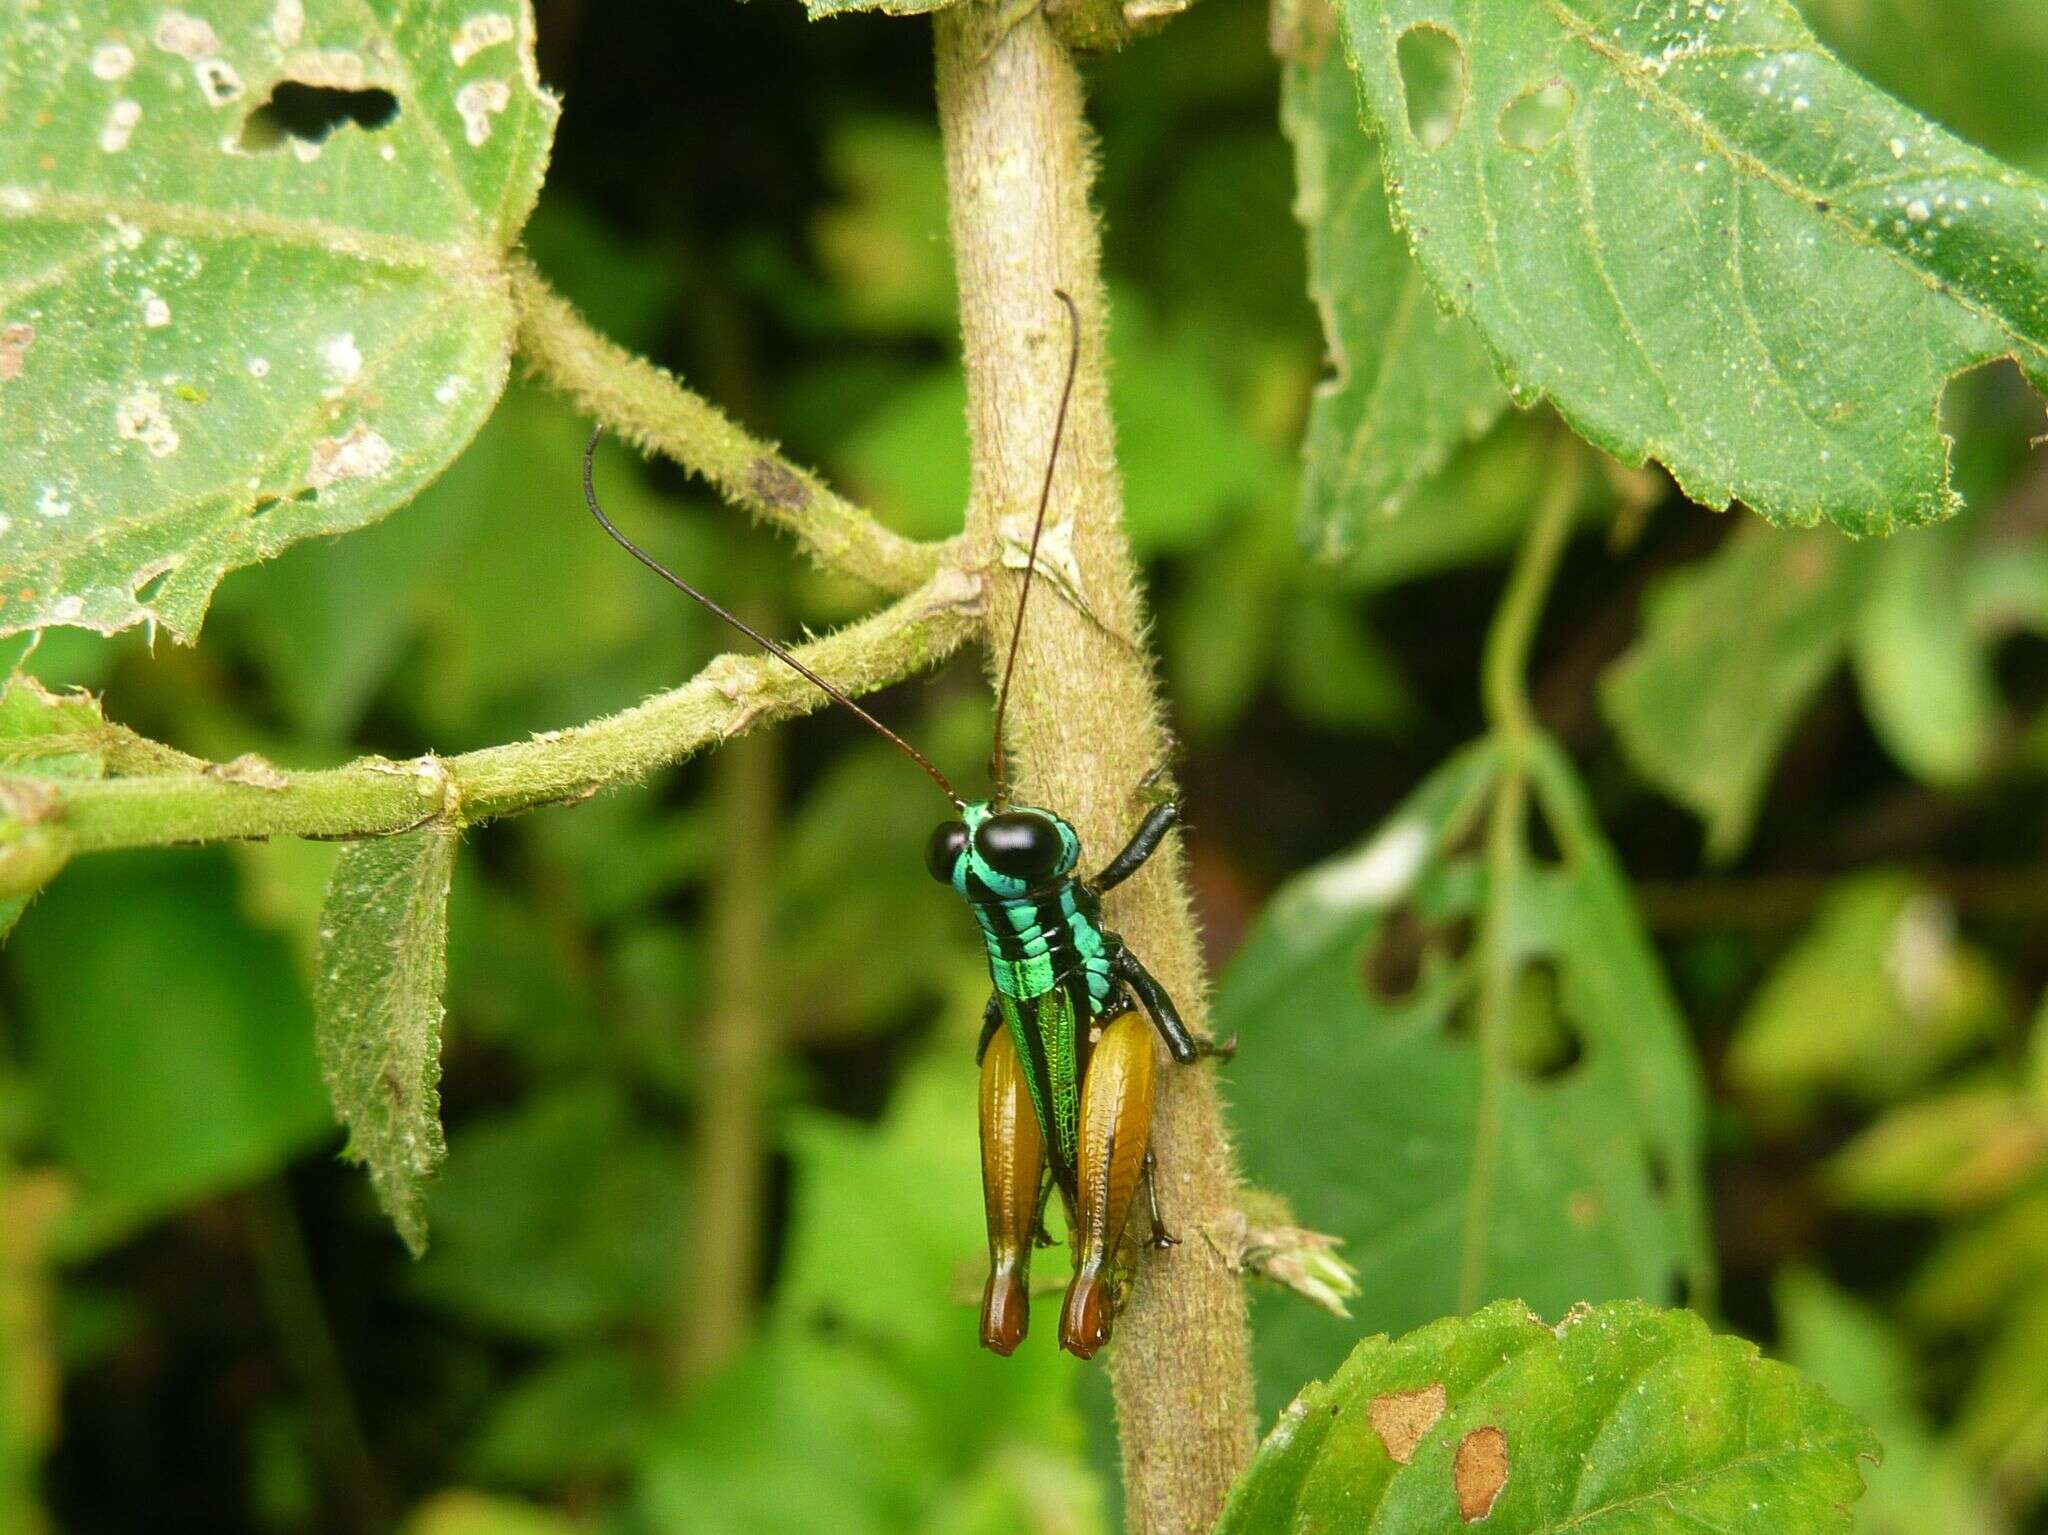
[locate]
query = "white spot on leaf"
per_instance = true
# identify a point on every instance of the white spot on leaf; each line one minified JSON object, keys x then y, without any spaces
{"x":218,"y":82}
{"x":139,"y":417}
{"x":112,"y":61}
{"x":358,"y":454}
{"x":288,"y":22}
{"x":120,"y":125}
{"x":52,"y":504}
{"x":156,"y":314}
{"x":259,"y":367}
{"x":341,"y":356}
{"x":486,"y":30}
{"x":187,"y":36}
{"x":478,"y":102}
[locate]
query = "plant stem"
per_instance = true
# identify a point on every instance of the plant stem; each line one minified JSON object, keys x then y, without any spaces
{"x":284,"y":1277}
{"x":373,"y":796}
{"x":1084,"y":710}
{"x":648,"y":407}
{"x":1505,"y":665}
{"x":729,"y":1181}
{"x":1504,"y":690}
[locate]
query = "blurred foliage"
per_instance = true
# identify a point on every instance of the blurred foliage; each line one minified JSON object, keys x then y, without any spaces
{"x":1875,"y":1058}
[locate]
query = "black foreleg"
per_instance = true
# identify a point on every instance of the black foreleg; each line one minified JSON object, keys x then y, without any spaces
{"x":991,"y":1020}
{"x":1165,"y":1016}
{"x":1143,"y":844}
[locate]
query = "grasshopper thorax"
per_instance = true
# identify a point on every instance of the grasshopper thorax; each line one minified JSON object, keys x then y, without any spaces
{"x":1004,"y":854}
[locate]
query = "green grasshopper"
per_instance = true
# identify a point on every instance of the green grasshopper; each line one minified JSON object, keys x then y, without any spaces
{"x":1060,"y":1037}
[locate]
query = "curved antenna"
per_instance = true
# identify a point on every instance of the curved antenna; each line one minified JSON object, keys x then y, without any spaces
{"x":1002,"y":766}
{"x":627,"y":544}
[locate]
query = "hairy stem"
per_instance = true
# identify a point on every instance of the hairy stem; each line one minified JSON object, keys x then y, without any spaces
{"x":1504,"y":689}
{"x":647,"y":406}
{"x":373,"y":796}
{"x":1084,"y":715}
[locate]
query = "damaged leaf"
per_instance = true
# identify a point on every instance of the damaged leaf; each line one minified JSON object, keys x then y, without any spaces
{"x":1587,"y":1186}
{"x":1620,"y":1418}
{"x":1676,"y":221}
{"x":1409,"y":383}
{"x":382,"y":963}
{"x":251,"y":282}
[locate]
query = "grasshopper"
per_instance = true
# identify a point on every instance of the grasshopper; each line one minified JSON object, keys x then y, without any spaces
{"x":1067,"y":1067}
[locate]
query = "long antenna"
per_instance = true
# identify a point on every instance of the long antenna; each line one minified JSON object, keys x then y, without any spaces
{"x":590,"y":495}
{"x":1059,"y":427}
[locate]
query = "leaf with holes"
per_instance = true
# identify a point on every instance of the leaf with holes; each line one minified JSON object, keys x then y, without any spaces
{"x":1622,"y":1418}
{"x":251,"y":281}
{"x":381,"y":965}
{"x":1573,"y":1175}
{"x":1683,"y":223}
{"x":1411,"y":382}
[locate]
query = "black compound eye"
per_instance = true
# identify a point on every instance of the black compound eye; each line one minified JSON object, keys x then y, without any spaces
{"x":948,"y":842}
{"x":1019,"y":843}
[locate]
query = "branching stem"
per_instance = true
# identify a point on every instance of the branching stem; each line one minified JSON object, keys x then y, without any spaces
{"x":648,"y":407}
{"x":373,"y":796}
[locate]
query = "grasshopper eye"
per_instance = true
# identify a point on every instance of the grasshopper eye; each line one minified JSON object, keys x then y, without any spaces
{"x":948,"y":842}
{"x":1020,"y":843}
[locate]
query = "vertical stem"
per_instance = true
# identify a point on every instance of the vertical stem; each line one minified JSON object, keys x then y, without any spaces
{"x":1504,"y":689}
{"x":284,"y":1278}
{"x":721,"y":1268}
{"x":1085,"y":720}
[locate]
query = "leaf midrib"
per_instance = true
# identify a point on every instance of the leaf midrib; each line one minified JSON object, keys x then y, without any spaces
{"x":190,"y":221}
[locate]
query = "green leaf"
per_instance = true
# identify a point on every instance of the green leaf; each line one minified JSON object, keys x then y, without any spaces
{"x":381,"y":966}
{"x":1877,"y":994}
{"x":1855,"y":1355}
{"x":1677,"y":221}
{"x":1732,"y":651}
{"x":1975,"y":66}
{"x":556,"y":1219}
{"x":1957,"y":1150}
{"x":1411,"y":382}
{"x":1925,"y":677}
{"x":171,"y":1042}
{"x":224,"y":334}
{"x":1351,"y":997}
{"x":1620,"y":1419}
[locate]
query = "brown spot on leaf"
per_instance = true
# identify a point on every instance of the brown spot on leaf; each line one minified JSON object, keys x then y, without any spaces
{"x":1401,"y":1418}
{"x":1479,"y":1472}
{"x":15,"y":341}
{"x":778,"y":485}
